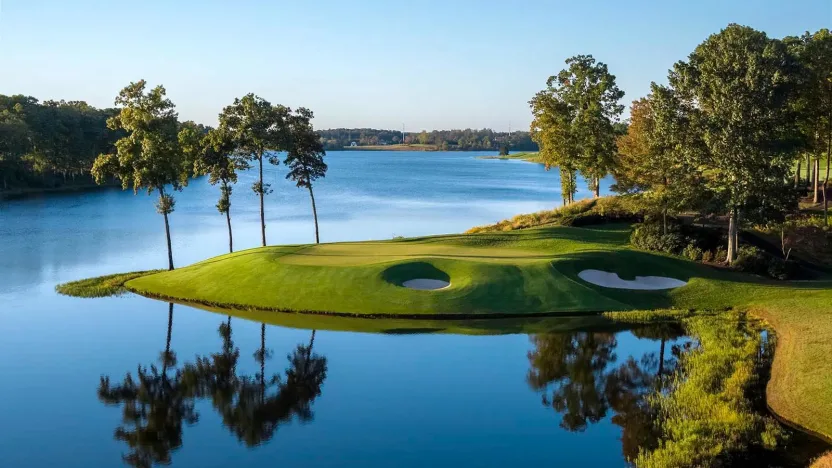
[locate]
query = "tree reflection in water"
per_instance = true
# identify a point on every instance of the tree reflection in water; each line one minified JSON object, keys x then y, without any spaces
{"x":155,"y":407}
{"x":577,"y":376}
{"x":157,"y":403}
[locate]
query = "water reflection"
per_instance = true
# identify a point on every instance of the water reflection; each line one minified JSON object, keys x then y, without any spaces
{"x":159,"y":402}
{"x":155,"y":405}
{"x":576,"y":374}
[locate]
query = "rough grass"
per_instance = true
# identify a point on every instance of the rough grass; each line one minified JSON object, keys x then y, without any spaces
{"x":706,"y":414}
{"x":584,"y":212}
{"x":800,"y":389}
{"x":824,"y":461}
{"x":101,"y":286}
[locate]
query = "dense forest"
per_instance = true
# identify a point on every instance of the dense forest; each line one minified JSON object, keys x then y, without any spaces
{"x":51,"y":143}
{"x":443,"y":140}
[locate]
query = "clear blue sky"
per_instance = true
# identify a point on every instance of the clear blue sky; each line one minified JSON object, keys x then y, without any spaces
{"x":428,"y":64}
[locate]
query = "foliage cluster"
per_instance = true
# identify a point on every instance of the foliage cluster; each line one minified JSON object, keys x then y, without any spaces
{"x":712,"y":413}
{"x":52,"y":143}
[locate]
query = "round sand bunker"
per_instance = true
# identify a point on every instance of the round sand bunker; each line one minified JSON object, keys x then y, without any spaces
{"x":611,"y":280}
{"x":425,"y":284}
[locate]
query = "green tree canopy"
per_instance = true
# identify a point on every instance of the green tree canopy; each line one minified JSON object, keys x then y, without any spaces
{"x":149,"y":156}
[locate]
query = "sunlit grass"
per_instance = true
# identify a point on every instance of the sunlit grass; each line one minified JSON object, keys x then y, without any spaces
{"x":102,"y":286}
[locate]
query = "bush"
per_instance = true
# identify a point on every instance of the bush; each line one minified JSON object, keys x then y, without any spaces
{"x":721,"y":255}
{"x":650,"y":236}
{"x":707,"y":256}
{"x":751,"y":260}
{"x":692,"y":252}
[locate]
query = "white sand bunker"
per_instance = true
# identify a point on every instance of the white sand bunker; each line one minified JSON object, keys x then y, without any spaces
{"x":611,"y":280}
{"x":425,"y":284}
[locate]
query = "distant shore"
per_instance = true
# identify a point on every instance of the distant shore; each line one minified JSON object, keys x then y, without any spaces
{"x":16,"y":193}
{"x":533,"y":157}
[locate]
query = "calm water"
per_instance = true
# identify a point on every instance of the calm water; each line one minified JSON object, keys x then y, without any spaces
{"x":344,"y":399}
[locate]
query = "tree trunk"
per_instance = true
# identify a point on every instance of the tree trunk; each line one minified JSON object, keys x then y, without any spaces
{"x":262,"y":361}
{"x":808,"y":171}
{"x":664,"y":219}
{"x":315,"y":215}
{"x":797,"y":175}
{"x":828,"y":161}
{"x":262,"y":210}
{"x":597,"y":193}
{"x":732,"y":236}
{"x":166,"y":357}
{"x":816,"y":181}
{"x":167,"y":232}
{"x":661,"y":363}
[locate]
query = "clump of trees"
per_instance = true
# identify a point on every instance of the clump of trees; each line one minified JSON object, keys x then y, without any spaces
{"x":721,"y":138}
{"x":158,"y":153}
{"x":574,"y":121}
{"x":49,"y":144}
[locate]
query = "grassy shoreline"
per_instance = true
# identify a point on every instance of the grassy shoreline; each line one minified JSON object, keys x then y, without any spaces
{"x":523,"y":280}
{"x":532,"y":157}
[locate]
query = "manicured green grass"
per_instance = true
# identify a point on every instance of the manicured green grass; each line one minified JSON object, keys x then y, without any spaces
{"x":531,"y":271}
{"x":101,"y":286}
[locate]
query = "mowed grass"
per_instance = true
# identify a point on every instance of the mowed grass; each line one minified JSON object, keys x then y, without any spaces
{"x":531,"y":271}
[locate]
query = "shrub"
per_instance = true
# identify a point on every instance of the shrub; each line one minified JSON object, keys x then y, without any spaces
{"x":707,"y":256}
{"x":721,"y":255}
{"x":692,"y":252}
{"x":651,"y":236}
{"x":751,"y":260}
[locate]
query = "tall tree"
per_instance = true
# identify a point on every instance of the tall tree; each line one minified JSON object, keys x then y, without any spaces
{"x":305,"y":157}
{"x":551,"y":129}
{"x":212,"y":153}
{"x":736,"y":86}
{"x":654,"y":155}
{"x":583,"y":100}
{"x":813,"y":104}
{"x":255,"y":128}
{"x":149,"y":156}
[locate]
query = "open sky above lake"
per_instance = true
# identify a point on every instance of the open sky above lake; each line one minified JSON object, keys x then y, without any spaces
{"x":425,"y":64}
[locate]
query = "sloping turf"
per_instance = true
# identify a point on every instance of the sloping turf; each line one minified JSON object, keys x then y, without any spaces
{"x":525,"y":272}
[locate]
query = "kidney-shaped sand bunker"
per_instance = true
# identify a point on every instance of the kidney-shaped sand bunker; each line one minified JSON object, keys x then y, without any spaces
{"x":612,"y":280}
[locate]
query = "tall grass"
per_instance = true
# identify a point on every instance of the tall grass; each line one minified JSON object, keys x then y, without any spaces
{"x":712,"y":413}
{"x":584,"y":212}
{"x":101,"y":286}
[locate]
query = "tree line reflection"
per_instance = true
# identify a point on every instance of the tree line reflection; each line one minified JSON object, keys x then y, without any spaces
{"x":576,"y":374}
{"x":159,"y":400}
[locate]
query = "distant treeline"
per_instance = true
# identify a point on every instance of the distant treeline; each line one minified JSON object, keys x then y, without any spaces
{"x":51,"y":143}
{"x":444,"y":140}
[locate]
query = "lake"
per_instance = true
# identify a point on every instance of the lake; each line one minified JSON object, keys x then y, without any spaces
{"x":321,"y":398}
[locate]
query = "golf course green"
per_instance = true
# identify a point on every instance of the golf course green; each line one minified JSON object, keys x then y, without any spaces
{"x":516,"y":273}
